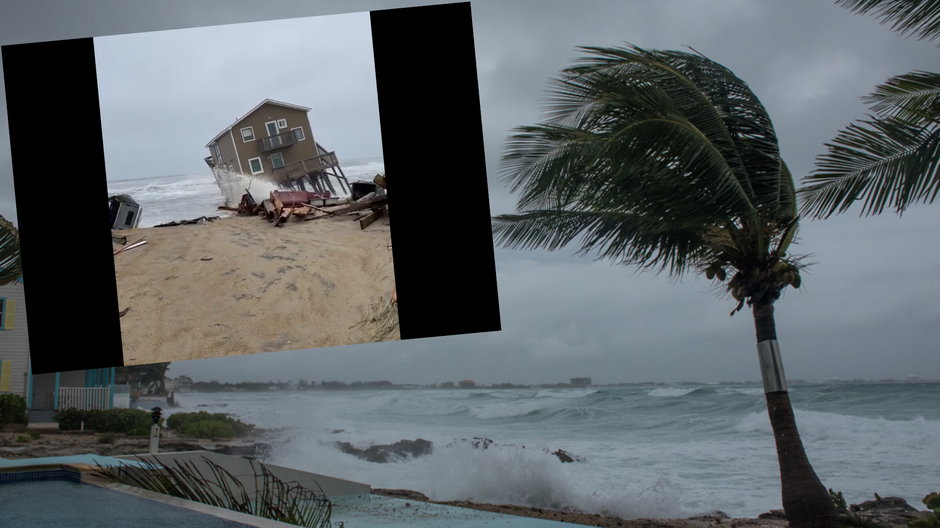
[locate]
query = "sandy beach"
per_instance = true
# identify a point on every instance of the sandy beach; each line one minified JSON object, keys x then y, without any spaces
{"x":239,"y":285}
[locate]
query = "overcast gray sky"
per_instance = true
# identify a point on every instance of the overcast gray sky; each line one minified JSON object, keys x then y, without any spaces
{"x":165,"y":94}
{"x":868,"y":307}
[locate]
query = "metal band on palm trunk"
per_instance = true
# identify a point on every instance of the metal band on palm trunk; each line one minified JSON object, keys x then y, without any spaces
{"x":771,"y":368}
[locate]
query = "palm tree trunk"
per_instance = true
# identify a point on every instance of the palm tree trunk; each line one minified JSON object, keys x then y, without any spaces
{"x":806,"y":501}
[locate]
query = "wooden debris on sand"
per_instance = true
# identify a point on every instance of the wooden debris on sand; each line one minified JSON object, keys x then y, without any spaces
{"x":137,"y":243}
{"x":281,"y":206}
{"x":200,"y":220}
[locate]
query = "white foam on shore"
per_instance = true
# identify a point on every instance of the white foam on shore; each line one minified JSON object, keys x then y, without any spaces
{"x":233,"y":185}
{"x":535,"y":477}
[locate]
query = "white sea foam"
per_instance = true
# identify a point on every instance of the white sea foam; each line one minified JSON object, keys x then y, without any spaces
{"x":567,"y":394}
{"x":233,"y":185}
{"x":750,"y":391}
{"x":671,"y":392}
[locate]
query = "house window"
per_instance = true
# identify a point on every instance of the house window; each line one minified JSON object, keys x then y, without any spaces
{"x":7,"y":312}
{"x":297,"y":133}
{"x":217,"y":152}
{"x":281,"y":123}
{"x":255,"y":164}
{"x":248,"y":134}
{"x":277,"y":160}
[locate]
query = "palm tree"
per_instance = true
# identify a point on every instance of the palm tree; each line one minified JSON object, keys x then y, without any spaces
{"x":892,"y":159}
{"x":9,"y":252}
{"x":667,"y":161}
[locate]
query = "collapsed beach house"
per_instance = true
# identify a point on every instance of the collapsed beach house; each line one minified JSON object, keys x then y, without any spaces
{"x":274,"y":141}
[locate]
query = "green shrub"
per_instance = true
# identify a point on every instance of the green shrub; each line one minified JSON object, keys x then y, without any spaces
{"x":131,"y":422}
{"x":22,"y":439}
{"x":106,"y":438}
{"x":209,"y":429}
{"x":208,"y":425}
{"x":34,"y":435}
{"x":12,"y":409}
{"x":932,"y":501}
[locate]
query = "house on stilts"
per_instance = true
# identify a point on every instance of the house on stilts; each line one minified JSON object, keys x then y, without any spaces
{"x":274,"y":141}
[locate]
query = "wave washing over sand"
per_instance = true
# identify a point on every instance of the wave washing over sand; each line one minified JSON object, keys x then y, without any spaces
{"x":186,"y":196}
{"x":640,"y":451}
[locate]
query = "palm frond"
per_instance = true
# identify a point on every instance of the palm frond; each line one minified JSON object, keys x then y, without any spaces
{"x":920,"y":18}
{"x":622,"y":237}
{"x":886,"y":162}
{"x":914,"y":96}
{"x":10,"y":265}
{"x":271,"y":498}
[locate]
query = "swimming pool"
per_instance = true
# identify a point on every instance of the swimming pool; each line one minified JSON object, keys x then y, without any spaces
{"x":56,"y":497}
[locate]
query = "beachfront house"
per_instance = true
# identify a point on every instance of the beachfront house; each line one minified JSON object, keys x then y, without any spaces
{"x":14,"y":340}
{"x":45,"y":393}
{"x":274,"y":140}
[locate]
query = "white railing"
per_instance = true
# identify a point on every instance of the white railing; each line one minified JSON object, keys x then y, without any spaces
{"x":84,"y":398}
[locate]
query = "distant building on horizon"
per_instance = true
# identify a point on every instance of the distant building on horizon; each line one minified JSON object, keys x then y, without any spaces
{"x":275,"y":140}
{"x":580,"y":382}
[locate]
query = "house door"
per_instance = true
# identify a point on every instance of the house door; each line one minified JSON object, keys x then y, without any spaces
{"x":272,"y":128}
{"x":43,"y":391}
{"x":275,"y":140}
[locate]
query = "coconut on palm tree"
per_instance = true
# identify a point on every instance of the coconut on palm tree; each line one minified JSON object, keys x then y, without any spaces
{"x":668,"y":161}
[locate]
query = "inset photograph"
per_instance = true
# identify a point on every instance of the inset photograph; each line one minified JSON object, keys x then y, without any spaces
{"x":246,"y":188}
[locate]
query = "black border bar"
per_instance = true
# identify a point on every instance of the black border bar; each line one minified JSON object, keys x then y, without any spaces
{"x":61,"y":191}
{"x":432,"y":140}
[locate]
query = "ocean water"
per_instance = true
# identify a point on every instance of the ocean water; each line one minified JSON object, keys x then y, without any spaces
{"x":645,"y":450}
{"x":187,"y":196}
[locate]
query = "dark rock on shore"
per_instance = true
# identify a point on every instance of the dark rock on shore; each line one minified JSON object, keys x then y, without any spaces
{"x":773,"y":514}
{"x":383,"y":453}
{"x":887,"y":511}
{"x":566,"y":457}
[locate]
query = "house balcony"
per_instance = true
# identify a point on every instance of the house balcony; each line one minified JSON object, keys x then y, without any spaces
{"x":282,"y":140}
{"x":299,"y":169}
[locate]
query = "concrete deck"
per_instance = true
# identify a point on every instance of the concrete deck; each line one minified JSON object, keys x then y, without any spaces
{"x":241,"y":468}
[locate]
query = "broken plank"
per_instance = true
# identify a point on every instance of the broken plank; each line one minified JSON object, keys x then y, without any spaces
{"x":269,"y":210}
{"x":131,"y":246}
{"x":372,"y":217}
{"x":328,"y":201}
{"x":373,"y":203}
{"x":285,"y":214}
